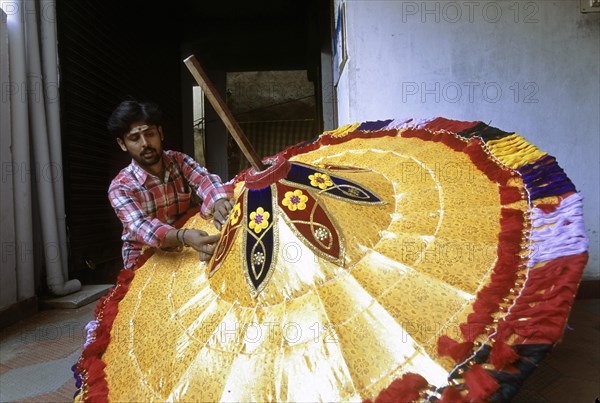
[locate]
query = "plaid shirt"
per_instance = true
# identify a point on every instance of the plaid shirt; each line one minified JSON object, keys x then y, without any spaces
{"x":147,"y":206}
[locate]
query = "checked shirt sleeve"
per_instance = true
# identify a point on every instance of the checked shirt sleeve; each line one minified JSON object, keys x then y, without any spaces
{"x":207,"y":186}
{"x":138,"y":226}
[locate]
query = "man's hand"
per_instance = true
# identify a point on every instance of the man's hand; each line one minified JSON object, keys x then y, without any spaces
{"x":202,"y":242}
{"x":221,"y":210}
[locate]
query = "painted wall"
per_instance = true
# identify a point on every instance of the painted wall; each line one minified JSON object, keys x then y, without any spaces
{"x":531,"y":67}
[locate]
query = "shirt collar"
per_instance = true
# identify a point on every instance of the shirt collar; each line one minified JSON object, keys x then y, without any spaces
{"x":141,"y":175}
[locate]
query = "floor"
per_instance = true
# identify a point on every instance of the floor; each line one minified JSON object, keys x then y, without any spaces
{"x":36,"y":356}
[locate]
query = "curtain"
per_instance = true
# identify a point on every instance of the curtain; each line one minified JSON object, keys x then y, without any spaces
{"x":34,"y":164}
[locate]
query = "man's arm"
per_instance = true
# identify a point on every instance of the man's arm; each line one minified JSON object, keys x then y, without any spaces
{"x":152,"y":231}
{"x":139,"y":226}
{"x":215,"y":195}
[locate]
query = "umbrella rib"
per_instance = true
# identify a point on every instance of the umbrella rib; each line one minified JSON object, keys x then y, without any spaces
{"x":224,"y":113}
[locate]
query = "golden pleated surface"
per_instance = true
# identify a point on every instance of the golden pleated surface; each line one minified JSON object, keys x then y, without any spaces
{"x":319,"y":331}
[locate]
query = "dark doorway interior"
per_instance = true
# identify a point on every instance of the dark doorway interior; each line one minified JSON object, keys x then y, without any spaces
{"x":275,"y":109}
{"x":110,"y":50}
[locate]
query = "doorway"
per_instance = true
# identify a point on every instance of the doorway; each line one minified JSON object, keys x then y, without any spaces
{"x":275,"y":109}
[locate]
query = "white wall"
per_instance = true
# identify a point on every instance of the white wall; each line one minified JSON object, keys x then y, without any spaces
{"x":531,"y":67}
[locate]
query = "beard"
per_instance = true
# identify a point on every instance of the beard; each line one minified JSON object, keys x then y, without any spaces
{"x":148,"y":157}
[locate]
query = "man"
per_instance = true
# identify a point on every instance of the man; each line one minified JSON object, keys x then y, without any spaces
{"x":158,"y":187}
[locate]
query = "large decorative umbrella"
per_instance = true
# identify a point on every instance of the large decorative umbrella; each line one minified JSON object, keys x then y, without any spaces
{"x":394,"y":260}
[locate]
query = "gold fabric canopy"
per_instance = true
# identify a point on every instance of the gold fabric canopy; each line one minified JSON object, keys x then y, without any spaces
{"x":326,"y":296}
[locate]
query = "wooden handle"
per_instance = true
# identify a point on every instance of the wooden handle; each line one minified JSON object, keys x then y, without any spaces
{"x":224,"y":113}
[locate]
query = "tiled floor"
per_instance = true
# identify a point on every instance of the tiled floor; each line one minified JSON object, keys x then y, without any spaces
{"x":36,"y":357}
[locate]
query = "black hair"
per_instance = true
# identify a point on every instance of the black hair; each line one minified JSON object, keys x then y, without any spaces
{"x":131,"y":111}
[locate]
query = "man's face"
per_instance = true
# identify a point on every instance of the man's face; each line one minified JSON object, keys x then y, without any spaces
{"x":144,"y":143}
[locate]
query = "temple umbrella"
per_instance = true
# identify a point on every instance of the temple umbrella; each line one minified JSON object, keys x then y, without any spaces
{"x":392,"y":260}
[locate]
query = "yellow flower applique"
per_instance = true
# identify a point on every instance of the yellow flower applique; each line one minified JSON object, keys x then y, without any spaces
{"x":235,"y":214}
{"x":295,"y":200}
{"x":322,"y":181}
{"x":259,"y":220}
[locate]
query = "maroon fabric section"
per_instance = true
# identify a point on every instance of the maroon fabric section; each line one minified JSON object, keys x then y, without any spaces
{"x":301,"y":219}
{"x":454,"y":126}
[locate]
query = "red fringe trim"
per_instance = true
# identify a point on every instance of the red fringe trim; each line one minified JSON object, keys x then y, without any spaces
{"x":481,"y":384}
{"x":453,"y":142}
{"x":457,"y":351}
{"x":452,"y":395}
{"x":91,"y":363}
{"x":443,"y":137}
{"x":502,"y":355}
{"x":503,"y":276}
{"x":510,"y":194}
{"x":404,"y":389}
{"x":486,"y":164}
{"x":419,"y":134}
{"x":455,"y":126}
{"x":96,"y":374}
{"x":545,"y":301}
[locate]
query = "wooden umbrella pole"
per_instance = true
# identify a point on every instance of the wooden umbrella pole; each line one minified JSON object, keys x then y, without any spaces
{"x":224,"y":113}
